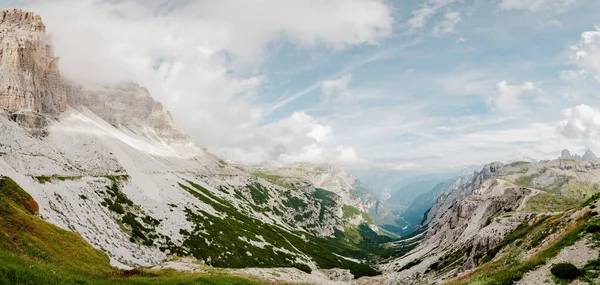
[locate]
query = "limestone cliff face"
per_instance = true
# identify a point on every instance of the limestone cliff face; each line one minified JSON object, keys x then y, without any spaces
{"x":33,"y":92}
{"x":29,"y":78}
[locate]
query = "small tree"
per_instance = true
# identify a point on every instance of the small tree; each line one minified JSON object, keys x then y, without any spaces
{"x":564,"y":270}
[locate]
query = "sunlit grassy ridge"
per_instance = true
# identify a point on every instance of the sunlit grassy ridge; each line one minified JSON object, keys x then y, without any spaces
{"x":33,"y":251}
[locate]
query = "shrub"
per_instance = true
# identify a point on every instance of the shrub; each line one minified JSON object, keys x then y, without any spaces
{"x":593,"y":228}
{"x":564,"y":270}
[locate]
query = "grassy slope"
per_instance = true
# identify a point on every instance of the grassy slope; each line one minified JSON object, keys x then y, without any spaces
{"x":229,"y":230}
{"x":33,"y":251}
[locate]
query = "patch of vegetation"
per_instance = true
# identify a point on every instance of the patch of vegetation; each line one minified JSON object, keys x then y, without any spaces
{"x":259,"y":193}
{"x":564,"y":270}
{"x":43,"y":179}
{"x":590,"y":201}
{"x":349,"y":212}
{"x":225,"y":242}
{"x":296,"y":203}
{"x":548,"y":202}
{"x":327,"y":201}
{"x":525,"y":181}
{"x":410,"y":265}
{"x":592,"y":228}
{"x":581,"y":191}
{"x":425,"y":215}
{"x":117,"y":202}
{"x":33,"y":251}
{"x":16,"y":270}
{"x":25,"y":235}
{"x":273,"y":178}
{"x":46,"y":179}
{"x":519,"y":163}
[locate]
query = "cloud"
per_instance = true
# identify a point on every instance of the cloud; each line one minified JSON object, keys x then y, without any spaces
{"x":448,"y":25}
{"x":509,"y":95}
{"x":335,"y":86}
{"x":204,"y":59}
{"x":580,"y":122}
{"x":421,"y":16}
{"x":535,"y":5}
{"x":585,"y":55}
{"x":298,"y":138}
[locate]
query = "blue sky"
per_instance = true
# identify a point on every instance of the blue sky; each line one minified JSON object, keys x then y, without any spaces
{"x":419,"y":85}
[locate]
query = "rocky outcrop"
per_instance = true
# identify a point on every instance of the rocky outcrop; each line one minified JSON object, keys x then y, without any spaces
{"x":461,"y":226}
{"x":338,"y":275}
{"x":30,"y":82}
{"x":130,"y":106}
{"x":33,"y":93}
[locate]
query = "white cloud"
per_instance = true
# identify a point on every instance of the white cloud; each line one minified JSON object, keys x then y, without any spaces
{"x":509,"y":96}
{"x":534,"y":5}
{"x":570,"y":74}
{"x":198,"y":57}
{"x":448,"y":25}
{"x":586,"y":55}
{"x":297,"y":138}
{"x":421,"y":16}
{"x":581,"y":122}
{"x":335,"y":86}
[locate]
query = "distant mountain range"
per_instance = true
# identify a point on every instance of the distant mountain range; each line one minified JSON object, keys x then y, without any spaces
{"x":587,"y":156}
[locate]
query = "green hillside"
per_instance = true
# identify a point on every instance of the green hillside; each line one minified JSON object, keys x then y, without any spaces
{"x":33,"y":251}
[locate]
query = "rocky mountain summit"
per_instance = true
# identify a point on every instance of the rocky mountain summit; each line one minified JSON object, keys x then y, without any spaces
{"x":587,"y":156}
{"x":30,"y":83}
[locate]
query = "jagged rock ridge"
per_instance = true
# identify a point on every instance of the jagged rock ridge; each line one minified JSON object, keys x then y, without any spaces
{"x":467,"y":223}
{"x":587,"y":156}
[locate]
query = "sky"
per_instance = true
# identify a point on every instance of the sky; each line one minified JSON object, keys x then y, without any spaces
{"x":379,"y":84}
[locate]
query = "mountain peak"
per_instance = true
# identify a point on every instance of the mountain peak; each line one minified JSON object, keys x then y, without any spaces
{"x":587,"y":156}
{"x":22,"y":20}
{"x":33,"y":92}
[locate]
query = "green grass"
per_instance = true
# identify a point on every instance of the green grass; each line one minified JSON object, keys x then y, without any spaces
{"x":33,"y":251}
{"x":259,"y":193}
{"x":548,"y":202}
{"x":22,"y":233}
{"x":220,"y":240}
{"x":557,"y":186}
{"x":142,"y":229}
{"x":273,"y":178}
{"x":581,"y":191}
{"x":349,"y":212}
{"x":15,"y":270}
{"x":296,"y":203}
{"x":327,"y":201}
